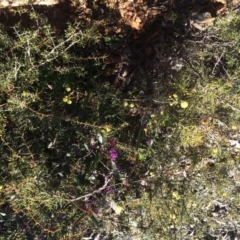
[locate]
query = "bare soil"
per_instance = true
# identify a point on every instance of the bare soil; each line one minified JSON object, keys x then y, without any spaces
{"x":139,"y":23}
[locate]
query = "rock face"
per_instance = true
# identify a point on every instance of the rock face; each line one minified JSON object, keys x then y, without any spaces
{"x":138,"y":13}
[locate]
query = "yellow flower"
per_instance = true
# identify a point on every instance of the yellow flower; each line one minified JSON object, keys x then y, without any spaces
{"x":151,"y":174}
{"x":234,"y":127}
{"x":131,"y":105}
{"x":125,"y":104}
{"x":118,"y":209}
{"x":69,"y":101}
{"x":175,"y":195}
{"x":108,"y":128}
{"x":65,"y":99}
{"x":68,"y":89}
{"x":1,"y":187}
{"x":175,"y":96}
{"x":103,"y":131}
{"x":215,"y":151}
{"x":25,"y":94}
{"x":184,"y":104}
{"x":171,"y":104}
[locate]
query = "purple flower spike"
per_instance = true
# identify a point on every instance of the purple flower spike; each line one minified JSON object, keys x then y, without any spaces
{"x":112,"y":143}
{"x":113,"y":154}
{"x":109,"y":190}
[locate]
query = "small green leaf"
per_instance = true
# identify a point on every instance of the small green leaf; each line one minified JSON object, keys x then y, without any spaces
{"x":60,"y":174}
{"x":107,"y":39}
{"x":141,"y":136}
{"x":95,"y":220}
{"x":86,"y":146}
{"x":95,"y":162}
{"x":115,"y":171}
{"x":100,"y":138}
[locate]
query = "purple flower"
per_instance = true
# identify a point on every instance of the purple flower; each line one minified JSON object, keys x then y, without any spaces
{"x":113,"y":154}
{"x":112,"y":143}
{"x":109,"y":190}
{"x":26,"y":226}
{"x":93,"y":146}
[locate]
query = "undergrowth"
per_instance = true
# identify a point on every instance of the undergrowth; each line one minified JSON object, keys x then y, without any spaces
{"x":81,"y":158}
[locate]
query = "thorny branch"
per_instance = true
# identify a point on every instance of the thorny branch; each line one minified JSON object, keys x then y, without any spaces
{"x":217,"y":63}
{"x":106,"y":181}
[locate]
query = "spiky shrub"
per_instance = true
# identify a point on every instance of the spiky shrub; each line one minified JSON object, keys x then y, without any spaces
{"x":62,"y":128}
{"x":65,"y":133}
{"x":47,"y":84}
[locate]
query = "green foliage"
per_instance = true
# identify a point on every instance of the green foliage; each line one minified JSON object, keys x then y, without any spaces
{"x":80,"y":157}
{"x":189,"y":190}
{"x":38,"y":130}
